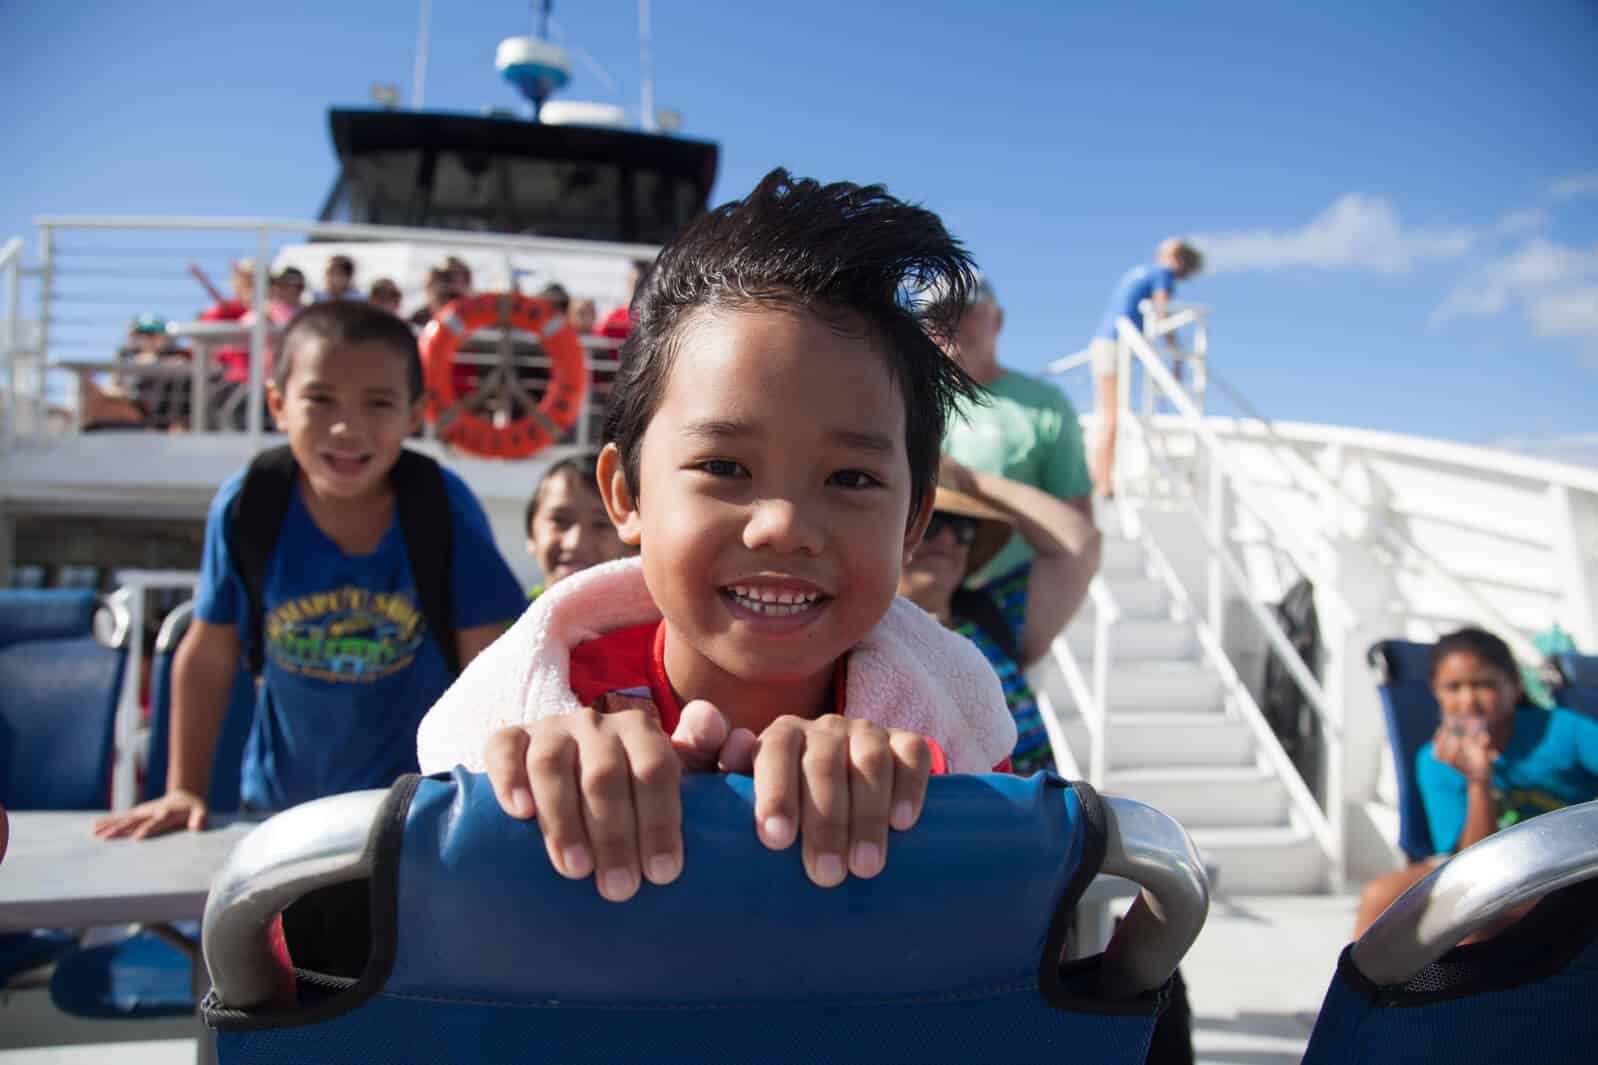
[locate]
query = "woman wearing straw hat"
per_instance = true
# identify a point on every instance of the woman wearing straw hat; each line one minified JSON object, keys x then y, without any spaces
{"x":1014,"y":617}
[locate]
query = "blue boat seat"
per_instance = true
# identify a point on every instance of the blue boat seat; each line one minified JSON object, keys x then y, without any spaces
{"x":479,"y":951}
{"x":1578,"y":682}
{"x":1412,"y":716}
{"x":151,"y":972}
{"x":1405,"y":993}
{"x":59,"y":688}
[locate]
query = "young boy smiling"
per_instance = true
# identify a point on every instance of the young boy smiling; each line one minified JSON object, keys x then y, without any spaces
{"x":349,"y":664}
{"x":773,"y":449}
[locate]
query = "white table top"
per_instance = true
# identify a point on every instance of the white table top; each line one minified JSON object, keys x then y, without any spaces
{"x":57,"y":875}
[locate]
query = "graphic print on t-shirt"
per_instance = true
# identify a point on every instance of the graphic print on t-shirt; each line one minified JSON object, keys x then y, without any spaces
{"x":345,"y":635}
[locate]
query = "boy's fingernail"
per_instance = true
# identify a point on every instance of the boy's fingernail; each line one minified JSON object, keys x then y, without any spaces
{"x":778,"y":831}
{"x":578,"y":863}
{"x":618,"y":884}
{"x":829,"y":869}
{"x":901,"y":815}
{"x":662,"y":869}
{"x":866,"y":860}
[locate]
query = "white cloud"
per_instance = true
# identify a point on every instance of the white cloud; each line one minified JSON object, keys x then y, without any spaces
{"x":1548,"y":281}
{"x":1357,"y":232}
{"x":1575,"y":185}
{"x":1579,"y":449}
{"x":1515,"y":223}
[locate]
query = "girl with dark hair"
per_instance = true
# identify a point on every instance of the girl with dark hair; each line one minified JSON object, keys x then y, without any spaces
{"x":1494,"y":761}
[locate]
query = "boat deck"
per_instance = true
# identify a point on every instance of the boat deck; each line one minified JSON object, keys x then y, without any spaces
{"x":1255,"y":979}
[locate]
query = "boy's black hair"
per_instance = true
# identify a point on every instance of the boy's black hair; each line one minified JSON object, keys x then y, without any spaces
{"x":343,"y":264}
{"x":1479,"y":642}
{"x":338,"y":322}
{"x":582,"y":467}
{"x":827,"y":248}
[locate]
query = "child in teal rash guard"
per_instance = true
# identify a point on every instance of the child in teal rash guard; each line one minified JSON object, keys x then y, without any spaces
{"x":1494,"y":761}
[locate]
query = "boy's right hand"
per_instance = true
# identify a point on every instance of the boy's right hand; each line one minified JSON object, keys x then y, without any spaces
{"x":605,"y":789}
{"x":176,"y":809}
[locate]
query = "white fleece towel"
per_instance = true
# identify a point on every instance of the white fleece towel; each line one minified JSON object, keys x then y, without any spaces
{"x":909,"y":673}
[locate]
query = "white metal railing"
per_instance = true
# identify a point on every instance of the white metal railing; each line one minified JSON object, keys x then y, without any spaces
{"x":1090,"y":696}
{"x":130,"y":595}
{"x":1386,"y":535}
{"x":1328,"y":826}
{"x":92,"y":270}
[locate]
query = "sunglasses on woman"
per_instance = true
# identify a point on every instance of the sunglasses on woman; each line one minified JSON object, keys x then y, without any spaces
{"x":963,"y":528}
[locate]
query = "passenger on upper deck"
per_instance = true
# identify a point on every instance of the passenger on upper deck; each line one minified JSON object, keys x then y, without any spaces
{"x":386,"y":295}
{"x":619,"y":322}
{"x":583,"y":315}
{"x":144,"y":392}
{"x":241,"y":277}
{"x":773,"y":449}
{"x":568,"y":527}
{"x":349,"y":663}
{"x":1174,"y":260}
{"x":440,"y":291}
{"x":1495,"y":760}
{"x":339,"y":279}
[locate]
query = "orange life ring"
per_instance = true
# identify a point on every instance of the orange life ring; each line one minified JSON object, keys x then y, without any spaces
{"x":459,"y":426}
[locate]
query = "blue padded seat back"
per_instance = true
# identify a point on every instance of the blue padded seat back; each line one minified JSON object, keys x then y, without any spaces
{"x":58,"y":701}
{"x":228,"y":764}
{"x":483,"y":953}
{"x":1526,"y":994}
{"x":42,"y":614}
{"x":1579,"y":691}
{"x":1412,"y":718}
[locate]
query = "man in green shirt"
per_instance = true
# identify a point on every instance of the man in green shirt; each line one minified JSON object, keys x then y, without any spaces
{"x":1027,"y":431}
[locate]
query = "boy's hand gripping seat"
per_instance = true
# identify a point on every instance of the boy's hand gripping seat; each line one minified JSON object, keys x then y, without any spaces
{"x":1405,"y":993}
{"x":480,"y":951}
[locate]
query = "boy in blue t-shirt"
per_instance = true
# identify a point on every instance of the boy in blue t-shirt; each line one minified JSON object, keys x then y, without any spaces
{"x":349,"y":666}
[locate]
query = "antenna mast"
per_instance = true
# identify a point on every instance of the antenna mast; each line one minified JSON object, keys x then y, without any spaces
{"x":646,"y":85}
{"x":419,"y":71}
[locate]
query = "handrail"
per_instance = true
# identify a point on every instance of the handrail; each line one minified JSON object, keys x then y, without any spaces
{"x":350,"y":231}
{"x":129,"y":596}
{"x":1092,"y":700}
{"x":1477,"y":886}
{"x":1137,"y":345}
{"x":1392,"y":538}
{"x":1326,"y":826}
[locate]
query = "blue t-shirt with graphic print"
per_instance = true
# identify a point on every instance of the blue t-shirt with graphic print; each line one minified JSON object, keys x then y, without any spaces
{"x":1550,"y":761}
{"x":1136,"y":285}
{"x":349,"y":668}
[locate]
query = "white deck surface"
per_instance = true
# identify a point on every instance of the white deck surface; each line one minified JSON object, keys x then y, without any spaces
{"x":1255,"y":979}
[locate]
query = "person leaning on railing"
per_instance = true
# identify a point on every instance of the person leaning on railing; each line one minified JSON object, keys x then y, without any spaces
{"x":1175,"y":260}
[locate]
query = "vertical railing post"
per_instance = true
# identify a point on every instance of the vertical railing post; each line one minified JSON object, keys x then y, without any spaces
{"x":1201,"y":361}
{"x":257,"y":387}
{"x":1123,"y":407}
{"x":124,"y":783}
{"x":40,"y":356}
{"x":13,"y":259}
{"x":1215,"y":506}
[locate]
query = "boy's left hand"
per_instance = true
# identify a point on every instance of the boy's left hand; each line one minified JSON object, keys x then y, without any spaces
{"x":838,"y":783}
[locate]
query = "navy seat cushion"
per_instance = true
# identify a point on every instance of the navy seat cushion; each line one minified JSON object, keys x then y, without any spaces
{"x":140,"y":976}
{"x":1412,"y":717}
{"x":58,"y":700}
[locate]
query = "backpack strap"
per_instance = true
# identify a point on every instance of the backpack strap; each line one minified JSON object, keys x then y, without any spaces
{"x":421,"y":501}
{"x":254,"y":519}
{"x":427,"y":520}
{"x":977,"y":606}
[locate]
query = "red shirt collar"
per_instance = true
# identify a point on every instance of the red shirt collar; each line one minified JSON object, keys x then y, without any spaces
{"x":671,"y":710}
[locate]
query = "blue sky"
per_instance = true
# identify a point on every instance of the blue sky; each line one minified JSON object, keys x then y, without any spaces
{"x":1399,"y":203}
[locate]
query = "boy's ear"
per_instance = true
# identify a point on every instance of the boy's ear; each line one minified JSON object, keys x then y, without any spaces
{"x":619,"y":501}
{"x":418,"y":409}
{"x":274,"y":404}
{"x":918,"y":522}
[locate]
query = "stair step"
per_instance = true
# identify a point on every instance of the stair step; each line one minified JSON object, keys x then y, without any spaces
{"x":1153,"y":687}
{"x":1120,"y":557}
{"x":1135,"y":639}
{"x":1279,"y":860}
{"x":1139,"y":597}
{"x":1165,"y":738}
{"x":1205,"y":796}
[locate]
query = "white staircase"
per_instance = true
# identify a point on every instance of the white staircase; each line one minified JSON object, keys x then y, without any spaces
{"x":1172,"y":739}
